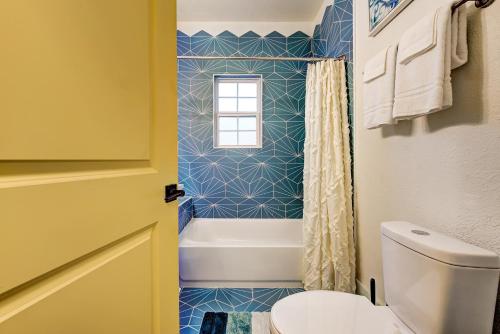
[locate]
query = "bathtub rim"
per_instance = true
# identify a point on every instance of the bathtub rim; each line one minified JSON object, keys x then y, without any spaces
{"x":184,"y":242}
{"x":240,"y":284}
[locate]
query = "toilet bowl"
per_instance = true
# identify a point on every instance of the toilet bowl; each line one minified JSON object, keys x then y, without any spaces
{"x":326,"y":312}
{"x":427,"y":281}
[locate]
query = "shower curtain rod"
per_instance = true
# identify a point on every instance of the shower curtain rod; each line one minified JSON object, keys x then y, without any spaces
{"x":342,"y":57}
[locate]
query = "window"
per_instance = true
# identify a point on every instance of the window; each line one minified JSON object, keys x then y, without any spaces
{"x":237,"y":111}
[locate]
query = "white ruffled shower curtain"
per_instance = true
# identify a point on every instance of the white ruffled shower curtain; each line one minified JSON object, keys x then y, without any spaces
{"x":329,"y":258}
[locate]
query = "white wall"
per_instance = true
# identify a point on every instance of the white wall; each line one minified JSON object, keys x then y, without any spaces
{"x":239,"y":28}
{"x":262,"y":28}
{"x":443,"y":171}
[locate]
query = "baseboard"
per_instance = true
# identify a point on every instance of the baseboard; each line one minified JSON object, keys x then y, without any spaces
{"x":241,"y":284}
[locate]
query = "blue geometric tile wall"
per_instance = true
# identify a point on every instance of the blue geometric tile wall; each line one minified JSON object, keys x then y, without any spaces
{"x":333,"y":37}
{"x":248,"y":44}
{"x":185,"y":212}
{"x":253,"y":183}
{"x":243,"y":183}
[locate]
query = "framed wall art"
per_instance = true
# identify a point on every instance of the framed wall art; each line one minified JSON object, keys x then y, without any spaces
{"x":381,"y":12}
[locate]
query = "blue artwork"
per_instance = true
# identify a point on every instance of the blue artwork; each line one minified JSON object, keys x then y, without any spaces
{"x":379,"y":9}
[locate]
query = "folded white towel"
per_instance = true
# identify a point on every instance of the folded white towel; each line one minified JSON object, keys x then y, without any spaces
{"x":378,"y":90}
{"x":419,"y":39}
{"x":424,"y":63}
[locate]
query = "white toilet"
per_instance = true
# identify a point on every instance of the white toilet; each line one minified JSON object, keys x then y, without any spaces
{"x":433,"y":284}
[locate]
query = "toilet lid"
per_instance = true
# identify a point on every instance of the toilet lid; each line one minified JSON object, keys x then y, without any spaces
{"x":331,"y":312}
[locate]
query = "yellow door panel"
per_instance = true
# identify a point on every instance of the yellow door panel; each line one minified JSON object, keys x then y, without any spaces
{"x":88,"y":140}
{"x":75,"y":79}
{"x":111,"y":285}
{"x":62,"y":223}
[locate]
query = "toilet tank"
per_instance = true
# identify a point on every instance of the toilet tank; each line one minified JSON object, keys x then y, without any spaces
{"x":438,"y":284}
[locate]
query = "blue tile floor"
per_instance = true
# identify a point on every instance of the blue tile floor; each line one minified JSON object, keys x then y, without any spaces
{"x":194,"y":302}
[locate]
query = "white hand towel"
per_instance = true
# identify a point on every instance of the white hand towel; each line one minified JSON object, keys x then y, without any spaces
{"x":378,"y":90}
{"x":424,"y":62}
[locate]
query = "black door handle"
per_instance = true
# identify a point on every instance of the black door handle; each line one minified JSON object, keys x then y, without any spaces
{"x":171,"y":193}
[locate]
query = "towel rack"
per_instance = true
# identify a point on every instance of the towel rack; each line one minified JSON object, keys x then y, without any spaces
{"x":478,"y":3}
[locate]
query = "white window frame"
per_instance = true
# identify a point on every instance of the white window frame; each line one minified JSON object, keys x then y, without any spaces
{"x":237,"y":78}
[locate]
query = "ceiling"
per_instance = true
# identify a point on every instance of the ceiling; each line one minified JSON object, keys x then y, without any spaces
{"x":248,"y":10}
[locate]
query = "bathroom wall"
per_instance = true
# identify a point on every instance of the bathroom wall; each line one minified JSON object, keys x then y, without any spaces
{"x":253,"y":183}
{"x":185,"y":212}
{"x":442,"y":171}
{"x":243,"y":183}
{"x":333,"y":37}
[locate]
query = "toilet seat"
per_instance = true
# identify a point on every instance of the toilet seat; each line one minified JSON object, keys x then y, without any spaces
{"x":325,"y":312}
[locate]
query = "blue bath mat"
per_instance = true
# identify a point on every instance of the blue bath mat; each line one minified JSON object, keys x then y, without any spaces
{"x":235,"y":323}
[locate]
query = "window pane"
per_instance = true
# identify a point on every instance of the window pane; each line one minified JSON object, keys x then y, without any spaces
{"x":228,"y":89}
{"x":247,"y":123}
{"x":228,"y":138}
{"x":247,"y":89}
{"x":247,"y":104}
{"x":228,"y":123}
{"x":228,"y":105}
{"x":235,"y":96}
{"x":247,"y":138}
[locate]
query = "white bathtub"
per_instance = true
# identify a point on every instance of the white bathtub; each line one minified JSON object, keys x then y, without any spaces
{"x":241,"y":253}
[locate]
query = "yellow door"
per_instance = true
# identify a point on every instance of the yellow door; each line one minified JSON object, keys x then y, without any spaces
{"x":87,"y":143}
